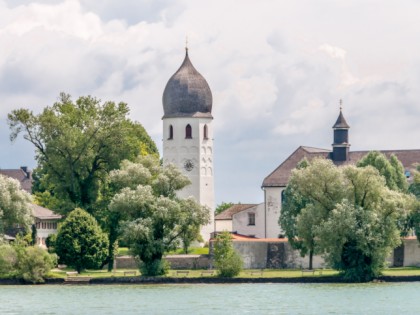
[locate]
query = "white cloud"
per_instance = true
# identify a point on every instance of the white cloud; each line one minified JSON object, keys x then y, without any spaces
{"x":276,"y":70}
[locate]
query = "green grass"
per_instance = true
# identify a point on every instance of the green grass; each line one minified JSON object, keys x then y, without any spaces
{"x":402,"y":271}
{"x":247,"y":273}
{"x":191,"y":251}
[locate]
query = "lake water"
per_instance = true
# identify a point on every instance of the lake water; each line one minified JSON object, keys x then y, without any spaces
{"x":379,"y":298}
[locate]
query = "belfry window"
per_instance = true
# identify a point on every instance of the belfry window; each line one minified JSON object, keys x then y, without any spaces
{"x":188,"y":132}
{"x":171,"y":132}
{"x":205,"y":133}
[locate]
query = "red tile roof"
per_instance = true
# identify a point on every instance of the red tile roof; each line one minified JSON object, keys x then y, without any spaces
{"x":229,"y":212}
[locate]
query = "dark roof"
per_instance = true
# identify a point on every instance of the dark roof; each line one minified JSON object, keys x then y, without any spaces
{"x":280,"y":176}
{"x":43,"y":213}
{"x":23,"y":175}
{"x":341,"y":122}
{"x":187,"y":93}
{"x":229,"y":212}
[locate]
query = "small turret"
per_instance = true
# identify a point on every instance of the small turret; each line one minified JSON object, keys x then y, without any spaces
{"x":341,"y":145}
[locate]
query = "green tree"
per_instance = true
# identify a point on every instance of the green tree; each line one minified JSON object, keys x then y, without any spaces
{"x":415,"y":185}
{"x":80,"y":241}
{"x":15,"y":205}
{"x":223,"y":206}
{"x":392,"y":170}
{"x":154,"y":217}
{"x":227,"y":261}
{"x":351,"y":214}
{"x":77,"y":144}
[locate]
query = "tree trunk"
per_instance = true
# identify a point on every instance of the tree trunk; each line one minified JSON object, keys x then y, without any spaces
{"x":311,"y":255}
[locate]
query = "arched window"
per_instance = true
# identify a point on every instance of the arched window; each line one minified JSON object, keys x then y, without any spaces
{"x":205,"y":132}
{"x":188,"y":132}
{"x":171,"y":132}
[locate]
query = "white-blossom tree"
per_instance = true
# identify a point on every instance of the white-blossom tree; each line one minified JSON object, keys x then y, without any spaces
{"x":15,"y":205}
{"x":155,"y":219}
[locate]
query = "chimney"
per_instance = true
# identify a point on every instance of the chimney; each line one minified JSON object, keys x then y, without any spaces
{"x":25,"y":170}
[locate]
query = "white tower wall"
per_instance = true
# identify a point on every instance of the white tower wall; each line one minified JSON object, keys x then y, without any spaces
{"x":180,"y":151}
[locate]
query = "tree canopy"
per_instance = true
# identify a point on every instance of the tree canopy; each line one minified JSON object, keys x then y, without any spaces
{"x":15,"y":205}
{"x":155,"y":219}
{"x":346,"y":213}
{"x":391,"y":169}
{"x":77,"y":144}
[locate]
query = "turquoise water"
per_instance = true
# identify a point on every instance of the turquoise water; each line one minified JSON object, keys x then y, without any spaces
{"x":380,"y":298}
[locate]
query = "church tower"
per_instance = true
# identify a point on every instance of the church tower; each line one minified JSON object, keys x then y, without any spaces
{"x":341,"y":145}
{"x":188,"y":134}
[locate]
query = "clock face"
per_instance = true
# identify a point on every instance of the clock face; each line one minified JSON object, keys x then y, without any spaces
{"x":188,"y":165}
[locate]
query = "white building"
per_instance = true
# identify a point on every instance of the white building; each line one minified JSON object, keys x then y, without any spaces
{"x":188,"y":134}
{"x":267,"y":214}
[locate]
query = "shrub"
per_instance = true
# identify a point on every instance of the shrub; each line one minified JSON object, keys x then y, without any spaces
{"x":227,"y":261}
{"x":157,"y":267}
{"x":8,"y":261}
{"x":80,"y":241}
{"x":35,"y":263}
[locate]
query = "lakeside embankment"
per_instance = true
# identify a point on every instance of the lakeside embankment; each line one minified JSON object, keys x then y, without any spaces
{"x":206,"y":280}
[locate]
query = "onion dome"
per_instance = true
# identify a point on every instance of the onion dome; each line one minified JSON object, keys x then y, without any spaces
{"x":187,"y":93}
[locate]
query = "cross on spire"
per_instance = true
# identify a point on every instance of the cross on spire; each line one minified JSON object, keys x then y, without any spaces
{"x":341,"y":104}
{"x":186,"y":43}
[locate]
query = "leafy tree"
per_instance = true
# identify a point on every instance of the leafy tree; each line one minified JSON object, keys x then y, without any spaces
{"x":300,"y":216}
{"x":77,"y":144}
{"x":154,"y":217}
{"x":223,"y":206}
{"x":15,"y":207}
{"x":35,"y":263}
{"x":392,"y":170}
{"x":415,"y":185}
{"x":227,"y":261}
{"x":351,"y":214}
{"x":80,"y":241}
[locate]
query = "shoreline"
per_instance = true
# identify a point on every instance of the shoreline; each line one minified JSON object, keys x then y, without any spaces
{"x":207,"y":280}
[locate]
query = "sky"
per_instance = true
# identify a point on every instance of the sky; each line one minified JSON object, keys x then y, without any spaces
{"x":277,"y":70}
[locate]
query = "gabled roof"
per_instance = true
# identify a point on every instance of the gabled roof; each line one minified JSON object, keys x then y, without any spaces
{"x":44,"y":213}
{"x":229,"y":212}
{"x":280,"y":176}
{"x":24,"y":177}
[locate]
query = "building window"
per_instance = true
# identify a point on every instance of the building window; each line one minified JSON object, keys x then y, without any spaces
{"x":38,"y":225}
{"x":283,"y":196}
{"x":188,"y":132}
{"x":171,"y":132}
{"x":205,"y":132}
{"x":251,"y":218}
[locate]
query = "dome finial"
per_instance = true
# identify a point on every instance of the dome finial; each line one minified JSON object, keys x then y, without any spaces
{"x":341,"y":104}
{"x":186,"y":44}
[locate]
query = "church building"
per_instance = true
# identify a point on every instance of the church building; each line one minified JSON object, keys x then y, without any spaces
{"x":188,"y":134}
{"x":261,"y":220}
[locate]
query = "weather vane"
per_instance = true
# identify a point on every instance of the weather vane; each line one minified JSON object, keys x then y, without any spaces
{"x":186,"y":43}
{"x":341,"y":104}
